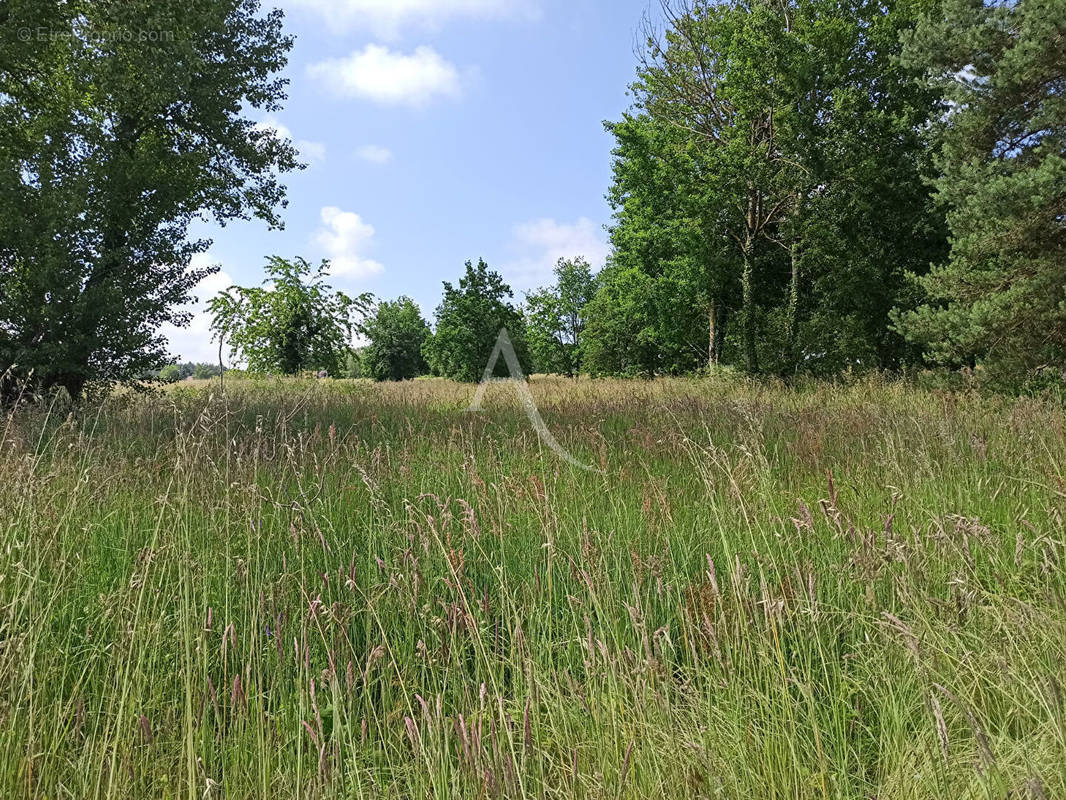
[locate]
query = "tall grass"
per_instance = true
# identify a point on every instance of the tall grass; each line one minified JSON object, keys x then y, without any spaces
{"x":339,"y":590}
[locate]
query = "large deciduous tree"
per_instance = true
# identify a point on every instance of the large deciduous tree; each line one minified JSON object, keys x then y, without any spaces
{"x":624,"y":335}
{"x":122,"y":122}
{"x":770,"y":175}
{"x":1000,"y":298}
{"x":294,"y":322}
{"x":668,"y":226}
{"x":397,"y":334}
{"x":555,"y":318}
{"x":730,"y":75}
{"x":469,"y":320}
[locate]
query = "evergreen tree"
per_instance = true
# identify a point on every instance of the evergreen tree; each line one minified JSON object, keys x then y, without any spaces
{"x":1000,"y":298}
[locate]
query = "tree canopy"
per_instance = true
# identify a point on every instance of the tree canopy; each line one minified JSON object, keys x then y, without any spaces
{"x":807,"y":186}
{"x":769,"y":189}
{"x":292,"y":323}
{"x":999,"y":299}
{"x":469,"y":320}
{"x":110,"y":147}
{"x":555,"y":318}
{"x":397,"y":333}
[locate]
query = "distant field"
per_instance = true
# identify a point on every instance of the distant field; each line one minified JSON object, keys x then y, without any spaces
{"x":347,"y":590}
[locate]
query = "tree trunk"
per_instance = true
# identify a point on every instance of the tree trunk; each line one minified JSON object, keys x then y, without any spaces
{"x":751,"y":357}
{"x":753,"y":224}
{"x":792,"y":325}
{"x":95,"y":305}
{"x":720,"y":331}
{"x":712,"y":338}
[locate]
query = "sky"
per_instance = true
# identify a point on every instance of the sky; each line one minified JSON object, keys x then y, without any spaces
{"x":437,"y":132}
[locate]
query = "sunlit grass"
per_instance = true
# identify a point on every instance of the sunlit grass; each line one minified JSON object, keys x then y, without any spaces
{"x":342,"y":590}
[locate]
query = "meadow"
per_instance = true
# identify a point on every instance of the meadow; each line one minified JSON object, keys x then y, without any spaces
{"x":345,"y":590}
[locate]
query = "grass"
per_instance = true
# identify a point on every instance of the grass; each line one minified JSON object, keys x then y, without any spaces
{"x":341,"y":590}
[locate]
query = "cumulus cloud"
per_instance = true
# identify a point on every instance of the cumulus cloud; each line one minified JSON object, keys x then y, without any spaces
{"x":390,"y":77}
{"x":540,"y":243}
{"x":389,"y":18}
{"x":311,"y":152}
{"x":194,"y":342}
{"x":344,"y":236}
{"x":374,"y":154}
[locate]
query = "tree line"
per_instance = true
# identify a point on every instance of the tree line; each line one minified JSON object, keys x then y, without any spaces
{"x":811,"y":186}
{"x":799,"y":186}
{"x":820,"y":185}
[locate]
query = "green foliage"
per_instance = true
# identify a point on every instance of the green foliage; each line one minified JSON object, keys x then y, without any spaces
{"x":353,"y":363}
{"x":555,"y":318}
{"x":664,"y":213}
{"x":122,"y":122}
{"x":469,"y":320}
{"x":203,"y":372}
{"x":769,"y":185}
{"x":1000,"y":298}
{"x":734,"y":75}
{"x":171,"y":373}
{"x":397,"y":333}
{"x":193,"y":370}
{"x":294,"y":322}
{"x":635,"y":326}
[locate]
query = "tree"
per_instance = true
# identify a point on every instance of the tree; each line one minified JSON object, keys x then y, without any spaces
{"x":353,"y":363}
{"x":1000,"y":298}
{"x":292,"y":323}
{"x":204,"y":372}
{"x":469,"y":320}
{"x":171,"y":373}
{"x":730,"y":74}
{"x":122,"y":126}
{"x":771,"y":173}
{"x":397,"y":333}
{"x":867,"y":216}
{"x":555,"y":318}
{"x":668,"y":226}
{"x":621,"y":336}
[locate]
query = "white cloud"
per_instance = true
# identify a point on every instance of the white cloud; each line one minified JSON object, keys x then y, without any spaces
{"x":390,"y":77}
{"x":539,"y":244}
{"x":194,"y":342}
{"x":374,"y":154}
{"x":388,"y":18}
{"x":343,"y":237}
{"x":311,"y":152}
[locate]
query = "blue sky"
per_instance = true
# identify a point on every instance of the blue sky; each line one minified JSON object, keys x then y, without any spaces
{"x":439,"y":131}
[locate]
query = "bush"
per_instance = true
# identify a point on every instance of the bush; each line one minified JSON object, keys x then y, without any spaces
{"x":171,"y":373}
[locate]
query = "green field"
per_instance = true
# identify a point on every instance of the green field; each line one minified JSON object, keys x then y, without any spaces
{"x":346,"y":590}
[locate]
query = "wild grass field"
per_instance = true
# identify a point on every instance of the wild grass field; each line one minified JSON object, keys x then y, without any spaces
{"x":346,"y":590}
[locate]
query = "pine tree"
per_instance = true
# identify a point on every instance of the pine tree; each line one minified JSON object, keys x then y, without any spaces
{"x":1000,"y":299}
